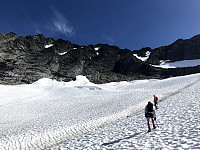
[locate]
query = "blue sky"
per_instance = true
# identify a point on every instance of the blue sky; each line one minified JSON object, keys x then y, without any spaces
{"x":131,"y":24}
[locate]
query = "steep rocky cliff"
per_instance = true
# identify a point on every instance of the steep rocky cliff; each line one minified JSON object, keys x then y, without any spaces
{"x":179,"y":50}
{"x":27,"y":59}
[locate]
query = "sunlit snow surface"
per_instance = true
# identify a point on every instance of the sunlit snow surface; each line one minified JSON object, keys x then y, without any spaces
{"x":179,"y":64}
{"x":143,"y":58}
{"x":47,"y":112}
{"x":62,"y":53}
{"x":47,"y":46}
{"x":177,"y":128}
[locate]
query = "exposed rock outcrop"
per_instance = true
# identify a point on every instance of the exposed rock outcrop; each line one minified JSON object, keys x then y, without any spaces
{"x":27,"y":59}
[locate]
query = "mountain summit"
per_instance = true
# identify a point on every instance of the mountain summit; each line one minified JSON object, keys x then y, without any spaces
{"x":28,"y":59}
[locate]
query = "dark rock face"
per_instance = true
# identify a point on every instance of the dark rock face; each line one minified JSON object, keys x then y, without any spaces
{"x":142,"y":52}
{"x":179,"y":50}
{"x":28,"y":59}
{"x":25,"y":60}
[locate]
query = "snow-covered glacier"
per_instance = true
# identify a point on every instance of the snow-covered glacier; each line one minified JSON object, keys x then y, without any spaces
{"x":48,"y":112}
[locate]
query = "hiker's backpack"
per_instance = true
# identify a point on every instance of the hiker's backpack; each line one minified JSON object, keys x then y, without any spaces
{"x":156,"y":99}
{"x":149,"y":107}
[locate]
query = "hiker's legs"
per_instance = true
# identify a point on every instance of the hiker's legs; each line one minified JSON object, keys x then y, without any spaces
{"x":148,"y":123}
{"x":153,"y":123}
{"x":156,"y":105}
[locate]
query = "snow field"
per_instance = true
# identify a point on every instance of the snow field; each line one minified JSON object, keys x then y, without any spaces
{"x":177,"y":118}
{"x":179,"y":64}
{"x":47,"y":112}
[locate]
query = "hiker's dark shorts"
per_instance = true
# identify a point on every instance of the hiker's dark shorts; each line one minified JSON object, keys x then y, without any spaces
{"x":150,"y":115}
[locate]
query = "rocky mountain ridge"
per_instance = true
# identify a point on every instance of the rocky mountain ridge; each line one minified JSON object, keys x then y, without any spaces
{"x":28,"y":59}
{"x":181,"y":49}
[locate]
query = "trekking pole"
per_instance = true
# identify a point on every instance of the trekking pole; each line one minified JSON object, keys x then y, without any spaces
{"x":156,"y":123}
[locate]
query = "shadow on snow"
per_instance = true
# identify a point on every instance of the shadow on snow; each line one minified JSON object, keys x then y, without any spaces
{"x":117,"y":141}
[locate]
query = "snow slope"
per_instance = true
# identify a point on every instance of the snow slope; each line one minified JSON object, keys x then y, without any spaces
{"x":179,"y":64}
{"x":178,"y":127}
{"x":45,"y":113}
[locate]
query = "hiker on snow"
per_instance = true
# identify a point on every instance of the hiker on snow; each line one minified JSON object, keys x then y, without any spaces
{"x":155,"y":102}
{"x":150,"y":114}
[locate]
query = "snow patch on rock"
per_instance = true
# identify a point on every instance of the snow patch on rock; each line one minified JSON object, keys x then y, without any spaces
{"x":49,"y":45}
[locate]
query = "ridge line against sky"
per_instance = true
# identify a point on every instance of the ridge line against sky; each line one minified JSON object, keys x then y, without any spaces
{"x":128,"y":24}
